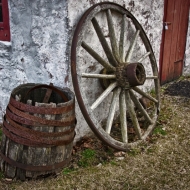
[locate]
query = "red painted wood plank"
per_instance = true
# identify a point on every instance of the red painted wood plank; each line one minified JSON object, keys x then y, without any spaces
{"x":175,"y":32}
{"x":174,"y":39}
{"x":183,"y":25}
{"x":167,"y":42}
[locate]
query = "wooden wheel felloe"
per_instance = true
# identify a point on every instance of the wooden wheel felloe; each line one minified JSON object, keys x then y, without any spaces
{"x":115,"y":75}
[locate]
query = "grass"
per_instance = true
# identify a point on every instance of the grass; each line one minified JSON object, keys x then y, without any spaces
{"x":87,"y":158}
{"x":162,"y":162}
{"x":67,"y":171}
{"x":159,"y":130}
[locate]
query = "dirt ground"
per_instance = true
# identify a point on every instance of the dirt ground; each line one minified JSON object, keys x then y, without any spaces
{"x":162,"y":162}
{"x":178,"y":88}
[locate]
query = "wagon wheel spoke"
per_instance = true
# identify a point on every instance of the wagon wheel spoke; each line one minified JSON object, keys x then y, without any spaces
{"x":122,"y":38}
{"x":123,"y":117}
{"x":103,"y":95}
{"x":103,"y":42}
{"x":98,"y":76}
{"x":132,"y":46}
{"x":140,"y":107}
{"x":133,"y":114}
{"x":95,"y":55}
{"x":112,"y":35}
{"x":145,"y":94}
{"x":112,"y":110}
{"x":152,"y":77}
{"x":144,"y":57}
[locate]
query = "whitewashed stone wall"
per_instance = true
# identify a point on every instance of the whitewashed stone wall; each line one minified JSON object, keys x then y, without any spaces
{"x":187,"y":53}
{"x":38,"y":49}
{"x":41,"y":32}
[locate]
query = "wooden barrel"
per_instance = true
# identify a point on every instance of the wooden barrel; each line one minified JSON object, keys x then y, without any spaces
{"x":38,"y":131}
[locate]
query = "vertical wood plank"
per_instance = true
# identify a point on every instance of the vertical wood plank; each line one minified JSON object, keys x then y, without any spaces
{"x":62,"y":152}
{"x":167,"y":41}
{"x":12,"y":149}
{"x":39,"y":156}
{"x":12,"y":153}
{"x":181,"y":38}
{"x":175,"y":34}
{"x":22,"y":155}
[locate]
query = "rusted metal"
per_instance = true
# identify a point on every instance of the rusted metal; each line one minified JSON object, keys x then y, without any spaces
{"x":48,"y":94}
{"x":135,"y":74}
{"x":65,"y":98}
{"x":29,"y":132}
{"x":28,"y":137}
{"x":130,"y":75}
{"x":34,"y":119}
{"x":42,"y":142}
{"x":41,"y":110}
{"x":34,"y":168}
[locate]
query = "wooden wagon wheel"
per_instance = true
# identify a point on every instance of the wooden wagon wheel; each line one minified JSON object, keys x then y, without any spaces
{"x":115,"y":75}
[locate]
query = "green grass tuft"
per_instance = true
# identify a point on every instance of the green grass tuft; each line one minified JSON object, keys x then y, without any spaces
{"x":67,"y":171}
{"x":88,"y":156}
{"x":159,"y":131}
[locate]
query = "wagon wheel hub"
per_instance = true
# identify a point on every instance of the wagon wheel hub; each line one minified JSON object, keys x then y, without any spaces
{"x":127,"y":75}
{"x":130,"y":75}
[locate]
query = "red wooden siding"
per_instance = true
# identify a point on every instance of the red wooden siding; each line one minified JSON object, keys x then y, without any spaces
{"x":4,"y":25}
{"x":174,"y":39}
